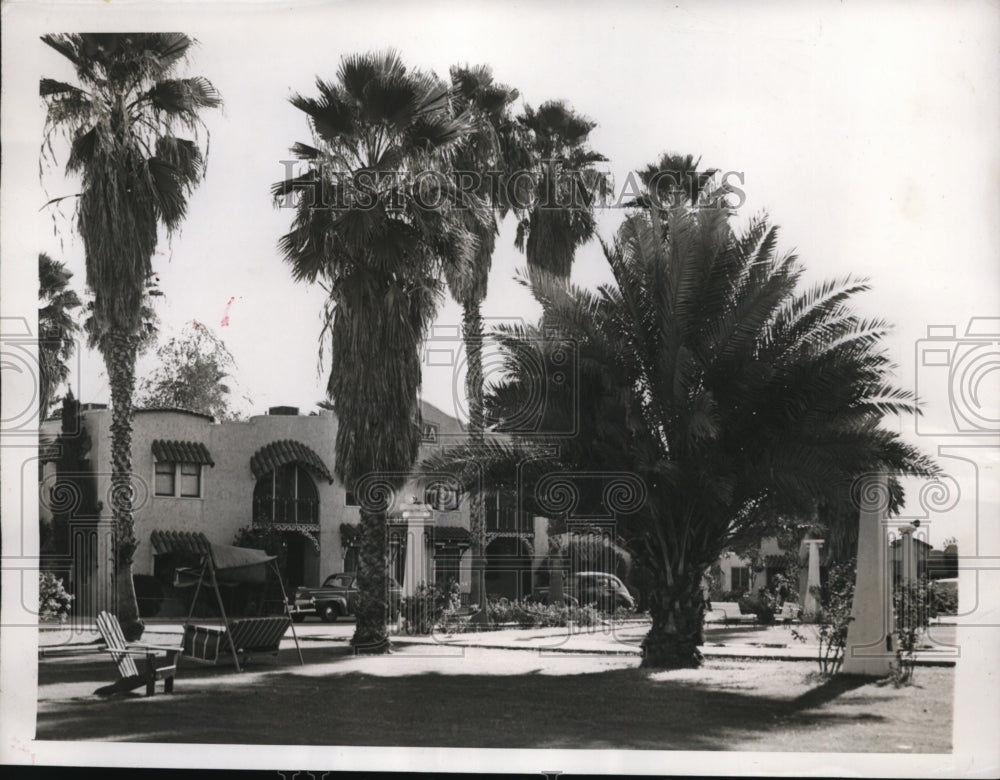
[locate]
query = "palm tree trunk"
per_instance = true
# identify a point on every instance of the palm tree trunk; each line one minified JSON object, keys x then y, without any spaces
{"x":472,"y":332}
{"x":678,"y":612}
{"x":370,"y":634}
{"x":119,"y":359}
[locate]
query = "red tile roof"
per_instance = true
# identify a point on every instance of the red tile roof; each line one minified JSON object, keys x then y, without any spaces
{"x":181,"y":452}
{"x":278,"y":453}
{"x":179,"y":541}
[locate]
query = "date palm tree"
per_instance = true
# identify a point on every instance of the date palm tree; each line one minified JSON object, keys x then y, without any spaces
{"x":557,"y":201}
{"x":57,"y":328}
{"x":731,"y":396}
{"x":377,"y":218}
{"x":136,"y":174}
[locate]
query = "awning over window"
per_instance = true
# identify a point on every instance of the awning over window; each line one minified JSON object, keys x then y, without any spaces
{"x":278,"y":453}
{"x":179,"y":541}
{"x":181,"y":452}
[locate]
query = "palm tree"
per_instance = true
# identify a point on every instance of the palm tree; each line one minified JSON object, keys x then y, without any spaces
{"x":388,"y":220}
{"x":494,"y":147}
{"x":557,"y":212}
{"x":673,"y":180}
{"x":732,"y":397}
{"x":57,"y":328}
{"x":136,"y":176}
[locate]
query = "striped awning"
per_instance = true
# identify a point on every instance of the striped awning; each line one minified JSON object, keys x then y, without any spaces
{"x":179,"y":541}
{"x":278,"y":453}
{"x":181,"y":452}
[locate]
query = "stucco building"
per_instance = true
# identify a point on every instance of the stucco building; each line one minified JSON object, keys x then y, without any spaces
{"x":276,"y":470}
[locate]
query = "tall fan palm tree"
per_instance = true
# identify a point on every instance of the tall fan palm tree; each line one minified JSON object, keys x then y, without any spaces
{"x":492,"y":150}
{"x":673,"y":180}
{"x":557,"y":212}
{"x":388,"y":219}
{"x":732,"y":397}
{"x":136,"y":176}
{"x":57,"y":328}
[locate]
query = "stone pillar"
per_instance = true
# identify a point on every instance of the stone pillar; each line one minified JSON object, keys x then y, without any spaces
{"x":810,"y":606}
{"x":870,"y":646}
{"x":416,"y":568}
{"x":540,"y":549}
{"x":908,"y":554}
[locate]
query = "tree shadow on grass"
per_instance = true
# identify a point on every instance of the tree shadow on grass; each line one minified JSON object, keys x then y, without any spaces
{"x":621,"y":708}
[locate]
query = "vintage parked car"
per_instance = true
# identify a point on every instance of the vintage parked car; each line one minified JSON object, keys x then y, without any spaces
{"x":337,"y":597}
{"x":603,"y":590}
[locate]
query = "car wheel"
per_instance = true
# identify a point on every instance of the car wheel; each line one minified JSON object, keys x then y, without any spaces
{"x":298,"y":617}
{"x":329,"y":613}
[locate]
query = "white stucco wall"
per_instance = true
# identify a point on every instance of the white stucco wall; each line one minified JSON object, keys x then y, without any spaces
{"x":226,"y":503}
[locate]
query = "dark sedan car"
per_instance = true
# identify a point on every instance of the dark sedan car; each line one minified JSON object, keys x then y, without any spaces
{"x":337,"y":597}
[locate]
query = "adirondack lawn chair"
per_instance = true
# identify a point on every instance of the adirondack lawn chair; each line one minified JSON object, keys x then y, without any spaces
{"x":124,"y":653}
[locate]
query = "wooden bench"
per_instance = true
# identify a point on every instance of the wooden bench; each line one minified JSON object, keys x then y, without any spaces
{"x":251,"y":637}
{"x":728,"y":612}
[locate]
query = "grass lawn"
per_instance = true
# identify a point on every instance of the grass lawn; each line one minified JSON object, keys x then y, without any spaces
{"x":505,"y":699}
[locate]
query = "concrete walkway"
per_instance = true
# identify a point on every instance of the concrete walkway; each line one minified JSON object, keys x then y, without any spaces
{"x":621,"y":639}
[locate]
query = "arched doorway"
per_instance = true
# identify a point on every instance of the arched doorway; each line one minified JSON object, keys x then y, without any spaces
{"x":508,"y":568}
{"x":286,"y":500}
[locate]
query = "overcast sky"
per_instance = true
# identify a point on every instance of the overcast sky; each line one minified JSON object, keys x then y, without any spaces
{"x":867,"y":132}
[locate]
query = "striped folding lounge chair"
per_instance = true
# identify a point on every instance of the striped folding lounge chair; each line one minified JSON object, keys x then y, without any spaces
{"x":251,"y":637}
{"x":130,"y":676}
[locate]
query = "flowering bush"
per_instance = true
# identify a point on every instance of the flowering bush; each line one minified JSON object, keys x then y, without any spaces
{"x":532,"y":614}
{"x":53,"y":600}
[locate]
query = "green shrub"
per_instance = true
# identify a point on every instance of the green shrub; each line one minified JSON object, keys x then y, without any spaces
{"x":53,"y":600}
{"x":763,"y":605}
{"x":422,"y":612}
{"x":912,"y":608}
{"x":533,"y":614}
{"x":833,"y":617}
{"x":585,"y":616}
{"x":943,"y":598}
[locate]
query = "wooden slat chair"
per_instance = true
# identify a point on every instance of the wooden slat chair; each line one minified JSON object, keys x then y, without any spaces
{"x":788,"y":613}
{"x":124,"y":653}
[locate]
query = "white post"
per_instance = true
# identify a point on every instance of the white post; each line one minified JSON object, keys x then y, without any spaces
{"x":870,"y":649}
{"x":908,"y":561}
{"x":540,"y":550}
{"x":810,"y":605}
{"x":416,"y":569}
